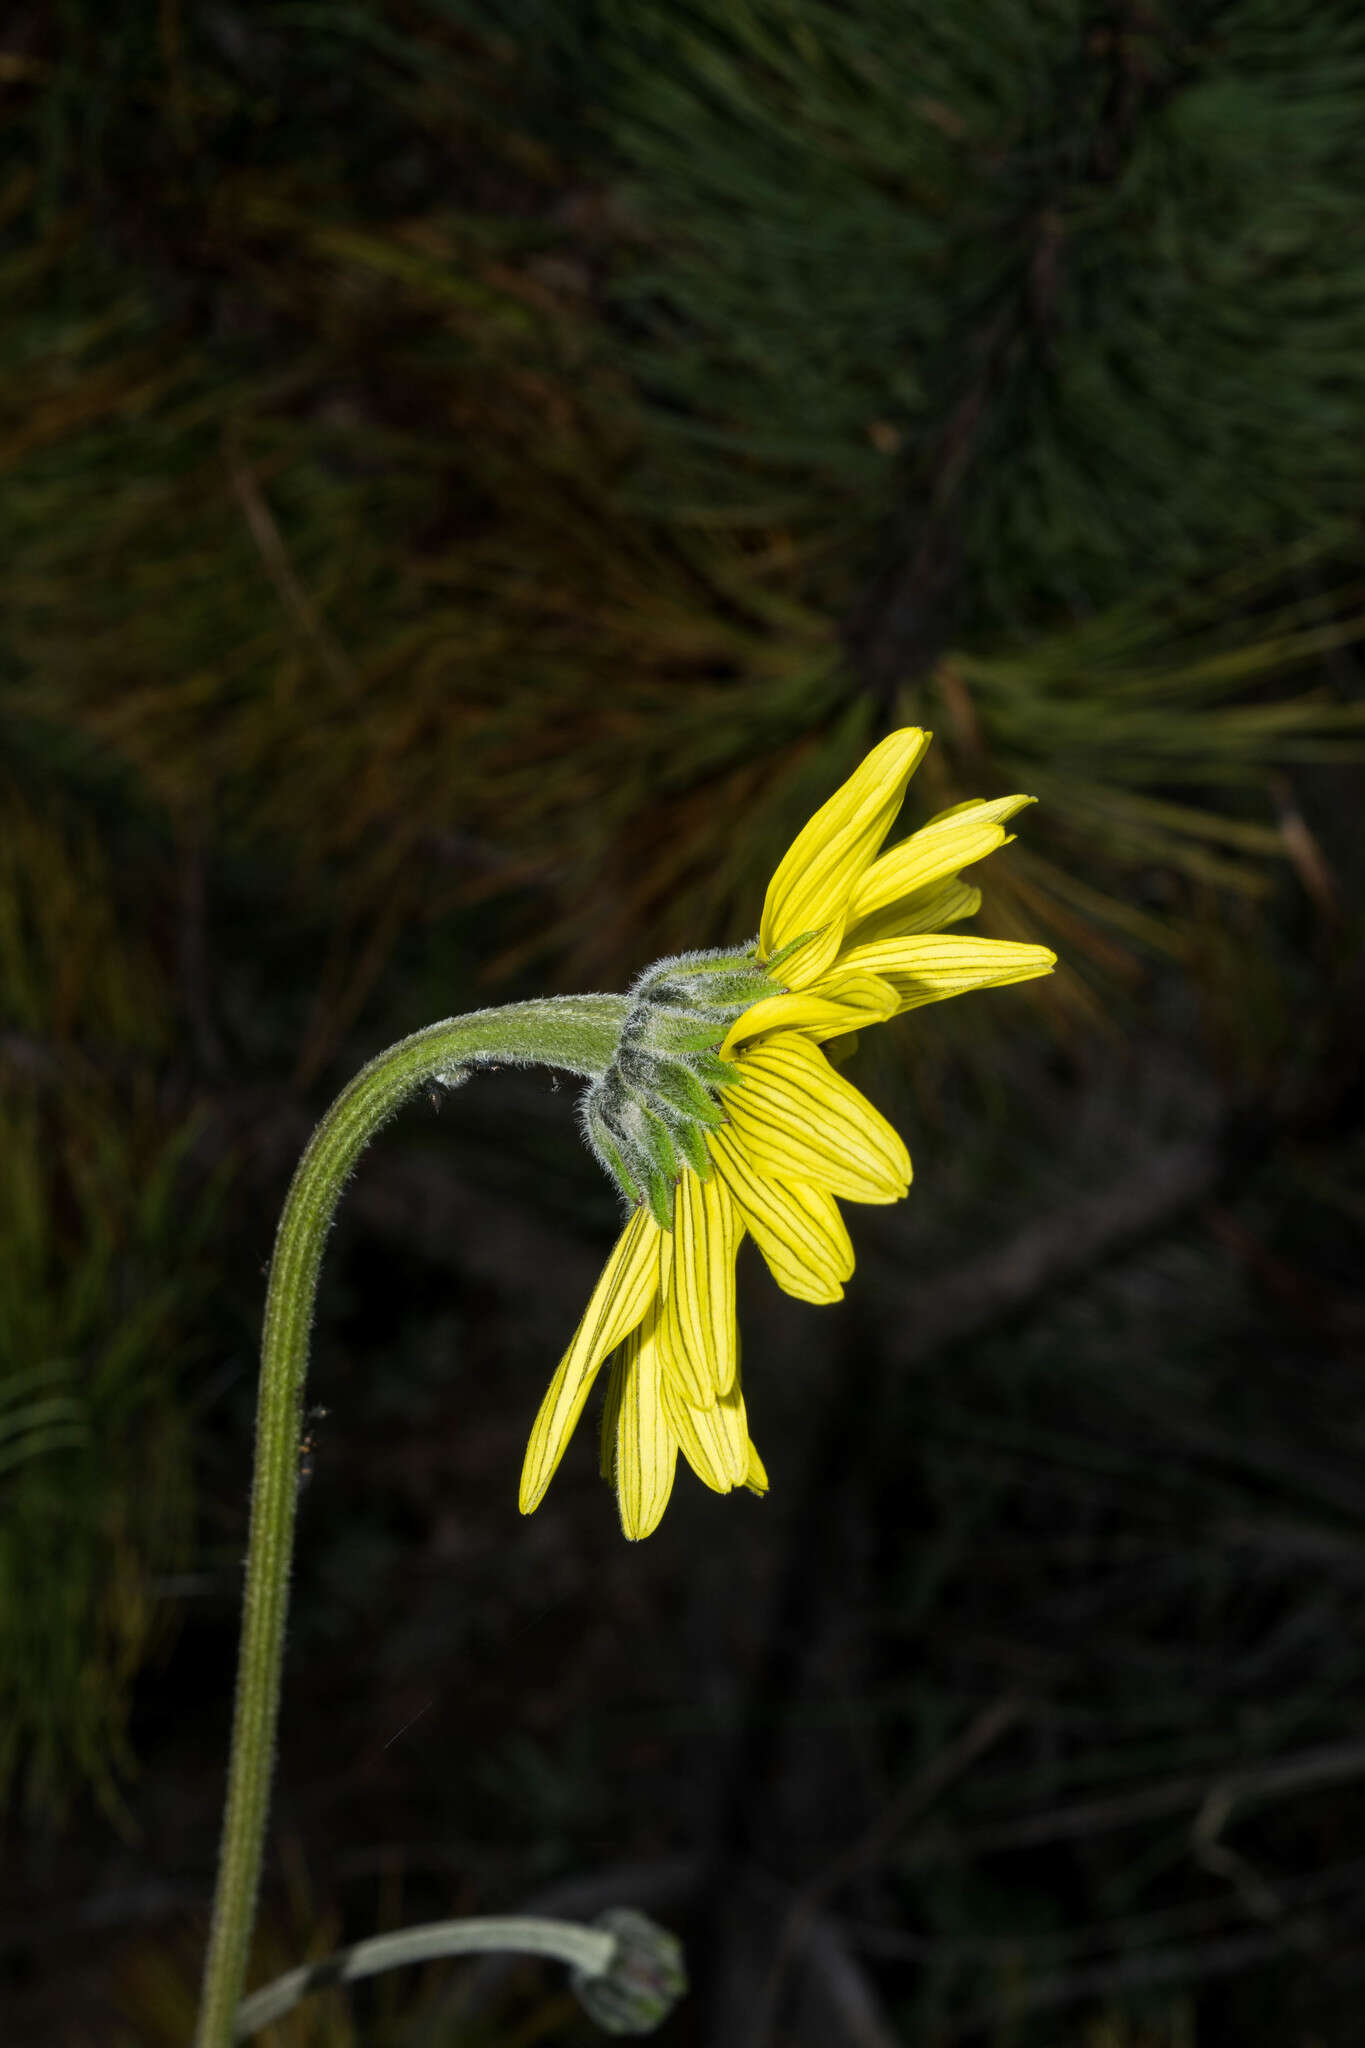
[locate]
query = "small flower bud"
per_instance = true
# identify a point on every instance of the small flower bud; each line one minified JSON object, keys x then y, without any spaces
{"x":643,"y":1981}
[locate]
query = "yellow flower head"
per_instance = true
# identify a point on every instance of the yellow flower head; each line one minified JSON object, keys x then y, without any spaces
{"x":722,"y":1115}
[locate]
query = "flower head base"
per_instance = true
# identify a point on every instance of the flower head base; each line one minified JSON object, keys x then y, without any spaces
{"x":721,"y":1116}
{"x":648,"y":1116}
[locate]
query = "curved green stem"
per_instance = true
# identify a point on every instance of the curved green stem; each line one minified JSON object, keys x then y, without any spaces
{"x":578,"y":1033}
{"x":588,"y":1949}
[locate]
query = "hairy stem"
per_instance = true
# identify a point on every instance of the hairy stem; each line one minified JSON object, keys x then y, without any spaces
{"x":577,"y":1033}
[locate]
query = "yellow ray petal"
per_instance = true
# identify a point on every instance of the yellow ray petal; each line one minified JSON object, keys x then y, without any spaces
{"x":937,"y":850}
{"x":714,"y":1440}
{"x":928,"y":910}
{"x":629,"y":1282}
{"x":928,"y":968}
{"x":697,"y":1328}
{"x":611,"y":1415}
{"x":863,"y":997}
{"x":798,"y":1229}
{"x":843,"y":1002}
{"x":683,"y":1364}
{"x":646,"y":1449}
{"x":798,"y":1119}
{"x":755,"y":1478}
{"x":816,"y":877}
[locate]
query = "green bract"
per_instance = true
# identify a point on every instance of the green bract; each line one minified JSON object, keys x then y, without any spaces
{"x":647,"y":1116}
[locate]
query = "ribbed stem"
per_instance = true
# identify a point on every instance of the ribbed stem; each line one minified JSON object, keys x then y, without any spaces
{"x":577,"y":1033}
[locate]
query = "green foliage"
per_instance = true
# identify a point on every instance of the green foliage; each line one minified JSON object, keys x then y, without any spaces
{"x":1082,"y":290}
{"x":94,"y":1486}
{"x":1160,"y":739}
{"x":518,"y":550}
{"x":101,"y":1256}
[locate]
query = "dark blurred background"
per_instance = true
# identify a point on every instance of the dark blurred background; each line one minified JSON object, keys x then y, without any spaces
{"x":474,"y":477}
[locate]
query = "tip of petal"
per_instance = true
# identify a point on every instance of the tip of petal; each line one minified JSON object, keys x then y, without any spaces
{"x":908,"y":743}
{"x":810,"y":889}
{"x":640,"y":1519}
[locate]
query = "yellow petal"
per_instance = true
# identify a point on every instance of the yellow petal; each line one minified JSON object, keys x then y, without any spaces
{"x":698,"y":1325}
{"x":798,"y":1229}
{"x":928,"y":968}
{"x":629,"y":1283}
{"x":714,"y":1440}
{"x":756,"y":1478}
{"x":815,"y":880}
{"x":928,"y":910}
{"x":799,"y":1120}
{"x":611,"y":1415}
{"x":646,"y":1449}
{"x":864,"y":998}
{"x":843,"y":1003}
{"x":937,"y":850}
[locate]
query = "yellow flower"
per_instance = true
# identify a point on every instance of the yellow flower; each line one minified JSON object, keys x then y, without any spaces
{"x":756,"y":1131}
